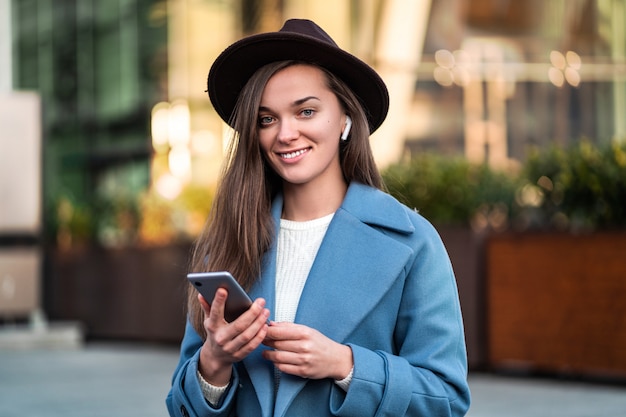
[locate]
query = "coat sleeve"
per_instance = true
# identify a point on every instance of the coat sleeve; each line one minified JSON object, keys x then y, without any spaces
{"x":426,"y":375}
{"x":185,"y":398}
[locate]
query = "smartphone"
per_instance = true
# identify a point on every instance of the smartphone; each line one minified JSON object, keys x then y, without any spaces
{"x":207,"y":284}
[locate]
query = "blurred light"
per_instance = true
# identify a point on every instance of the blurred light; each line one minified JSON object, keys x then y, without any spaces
{"x":498,"y":217}
{"x":169,"y":186}
{"x":443,"y":76}
{"x":451,"y":68}
{"x":545,"y":183}
{"x":203,"y":142}
{"x":556,"y":76}
{"x":572,"y":76}
{"x":460,"y":76}
{"x":529,"y":196}
{"x":444,"y":58}
{"x":479,"y":221}
{"x":565,"y":68}
{"x":179,"y":123}
{"x":558,"y":60}
{"x":573,"y":60}
{"x":461,"y":57}
{"x":180,"y":162}
{"x":159,"y":126}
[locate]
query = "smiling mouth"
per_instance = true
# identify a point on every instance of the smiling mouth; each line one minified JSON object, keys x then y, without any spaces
{"x":294,"y":154}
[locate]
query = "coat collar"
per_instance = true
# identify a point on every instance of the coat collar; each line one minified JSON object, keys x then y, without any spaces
{"x":356,"y":253}
{"x":376,"y":208}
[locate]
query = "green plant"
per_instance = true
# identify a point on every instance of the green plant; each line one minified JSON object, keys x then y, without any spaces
{"x":71,"y":223}
{"x":166,"y":221}
{"x":453,"y":191}
{"x":126,"y":219}
{"x":581,"y":187}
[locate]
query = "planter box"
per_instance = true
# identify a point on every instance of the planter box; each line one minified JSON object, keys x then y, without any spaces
{"x":466,"y":251}
{"x":557,"y":303}
{"x":130,"y":293}
{"x":139,"y":293}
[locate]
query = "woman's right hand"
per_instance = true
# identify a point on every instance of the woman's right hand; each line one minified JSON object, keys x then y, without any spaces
{"x":227,"y":343}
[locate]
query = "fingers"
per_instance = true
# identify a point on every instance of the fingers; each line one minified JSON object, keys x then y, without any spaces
{"x":248,"y":340}
{"x":289,"y":337}
{"x":305,"y":352}
{"x":215,"y":310}
{"x":216,"y":313}
{"x":303,"y":364}
{"x":284,"y":331}
{"x":203,"y":303}
{"x":292,"y":344}
{"x":237,"y":339}
{"x":247,"y":328}
{"x":227,"y":343}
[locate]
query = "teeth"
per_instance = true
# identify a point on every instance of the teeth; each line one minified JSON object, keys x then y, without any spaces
{"x":292,"y":155}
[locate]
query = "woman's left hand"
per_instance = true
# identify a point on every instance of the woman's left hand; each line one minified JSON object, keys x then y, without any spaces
{"x":302,"y":351}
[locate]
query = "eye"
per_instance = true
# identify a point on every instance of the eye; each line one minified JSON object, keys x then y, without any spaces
{"x":307,"y":113}
{"x":265,"y":120}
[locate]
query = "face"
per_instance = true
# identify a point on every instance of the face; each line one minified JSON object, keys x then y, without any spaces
{"x":300,"y":122}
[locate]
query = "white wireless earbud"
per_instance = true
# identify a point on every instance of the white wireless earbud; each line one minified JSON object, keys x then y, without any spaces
{"x":346,"y":131}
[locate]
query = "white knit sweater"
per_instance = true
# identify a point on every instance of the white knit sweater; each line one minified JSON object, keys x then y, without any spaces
{"x":297,"y":246}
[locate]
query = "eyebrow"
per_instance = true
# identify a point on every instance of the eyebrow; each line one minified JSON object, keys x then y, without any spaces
{"x":295,"y":103}
{"x":304,"y":100}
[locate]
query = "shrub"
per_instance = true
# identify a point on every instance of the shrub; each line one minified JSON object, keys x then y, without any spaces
{"x":578,"y":188}
{"x":581,"y":187}
{"x":452,"y":191}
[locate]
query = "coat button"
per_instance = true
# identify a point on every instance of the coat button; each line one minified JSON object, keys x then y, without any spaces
{"x":184,"y":411}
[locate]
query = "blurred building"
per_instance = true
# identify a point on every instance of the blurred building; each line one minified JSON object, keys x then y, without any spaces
{"x":122,"y":82}
{"x":121,"y":101}
{"x":99,"y":67}
{"x":499,"y":76}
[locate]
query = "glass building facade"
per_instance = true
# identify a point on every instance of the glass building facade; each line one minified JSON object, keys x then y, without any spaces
{"x":501,"y":76}
{"x":488,"y":79}
{"x":99,"y":67}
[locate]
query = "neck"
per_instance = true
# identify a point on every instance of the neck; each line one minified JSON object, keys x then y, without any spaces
{"x":308,"y":202}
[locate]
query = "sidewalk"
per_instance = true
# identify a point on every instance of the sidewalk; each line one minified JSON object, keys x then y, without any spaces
{"x":500,"y":396}
{"x":124,"y":380}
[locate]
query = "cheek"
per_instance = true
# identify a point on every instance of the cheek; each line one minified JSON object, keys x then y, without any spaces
{"x":265,"y":148}
{"x":264,"y":143}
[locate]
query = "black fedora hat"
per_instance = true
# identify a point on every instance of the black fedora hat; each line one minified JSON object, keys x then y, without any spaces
{"x":300,"y":40}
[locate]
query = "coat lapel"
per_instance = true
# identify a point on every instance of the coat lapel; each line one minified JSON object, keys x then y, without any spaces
{"x":356,"y":253}
{"x":261,"y":371}
{"x":355,"y":256}
{"x":375,"y":262}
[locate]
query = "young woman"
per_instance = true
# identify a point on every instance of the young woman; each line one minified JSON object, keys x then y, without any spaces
{"x":364,"y":318}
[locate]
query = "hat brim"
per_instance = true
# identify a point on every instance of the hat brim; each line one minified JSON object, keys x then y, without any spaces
{"x":236,"y":64}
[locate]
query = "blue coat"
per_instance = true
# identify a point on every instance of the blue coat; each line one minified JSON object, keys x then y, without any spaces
{"x":381,"y":283}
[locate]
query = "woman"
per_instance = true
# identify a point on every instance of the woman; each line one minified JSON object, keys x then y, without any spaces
{"x":360,"y":294}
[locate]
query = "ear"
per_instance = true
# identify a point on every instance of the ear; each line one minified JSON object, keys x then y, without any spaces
{"x":346,"y":130}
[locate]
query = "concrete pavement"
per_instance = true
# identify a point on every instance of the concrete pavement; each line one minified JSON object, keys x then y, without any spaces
{"x":124,"y":380}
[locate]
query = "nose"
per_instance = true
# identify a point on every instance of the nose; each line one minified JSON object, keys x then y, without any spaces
{"x":288,"y":131}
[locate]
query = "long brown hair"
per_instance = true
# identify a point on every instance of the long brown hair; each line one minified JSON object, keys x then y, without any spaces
{"x":240,"y":228}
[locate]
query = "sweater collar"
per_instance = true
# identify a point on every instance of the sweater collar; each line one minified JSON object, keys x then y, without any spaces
{"x":370,"y":205}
